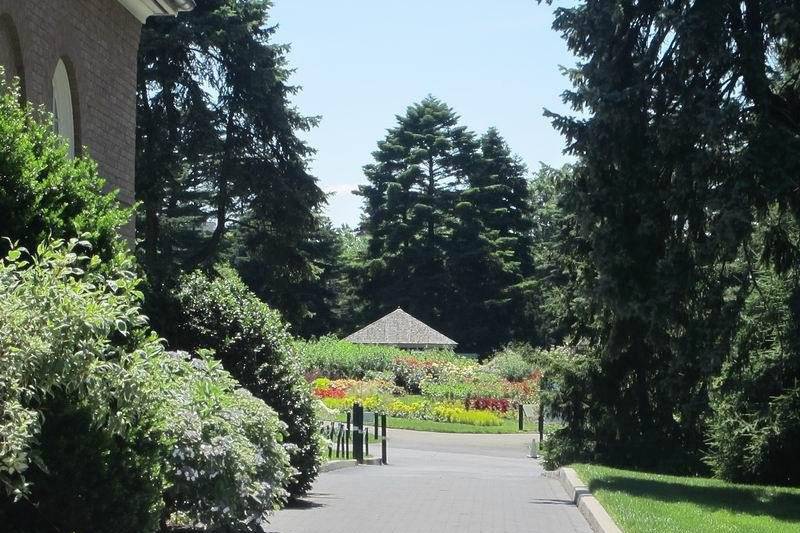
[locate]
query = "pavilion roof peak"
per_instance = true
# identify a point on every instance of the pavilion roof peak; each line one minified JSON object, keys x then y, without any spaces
{"x":399,"y":328}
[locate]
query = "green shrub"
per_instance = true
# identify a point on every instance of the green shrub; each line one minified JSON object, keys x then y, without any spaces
{"x":484,"y":385}
{"x":226,"y":465}
{"x":65,"y":362}
{"x":253,"y":344}
{"x":95,"y":416}
{"x":512,"y":363}
{"x":43,"y":192}
{"x":89,"y":468}
{"x":340,"y":359}
{"x":754,"y":428}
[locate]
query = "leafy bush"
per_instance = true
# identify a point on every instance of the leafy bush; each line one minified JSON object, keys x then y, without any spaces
{"x":88,"y":467}
{"x":490,"y":404}
{"x":227,"y":467}
{"x":252,"y":342}
{"x":94,"y":415}
{"x":459,"y":415}
{"x":483,"y":384}
{"x":341,"y":359}
{"x":64,"y":351}
{"x":411,"y":370}
{"x":335,"y":358}
{"x":511,"y":363}
{"x":45,"y":193}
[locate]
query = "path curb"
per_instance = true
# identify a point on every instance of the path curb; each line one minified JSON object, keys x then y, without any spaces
{"x":338,"y":464}
{"x":590,"y":508}
{"x":330,"y":466}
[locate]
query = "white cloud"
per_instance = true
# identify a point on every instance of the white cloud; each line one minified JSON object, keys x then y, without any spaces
{"x":344,"y":188}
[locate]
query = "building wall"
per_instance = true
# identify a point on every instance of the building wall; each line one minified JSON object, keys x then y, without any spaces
{"x":98,"y":42}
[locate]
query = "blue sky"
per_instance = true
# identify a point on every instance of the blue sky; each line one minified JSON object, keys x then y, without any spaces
{"x":361,"y":62}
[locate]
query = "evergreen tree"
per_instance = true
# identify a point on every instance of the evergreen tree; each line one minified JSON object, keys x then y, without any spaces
{"x":409,"y":199}
{"x":490,"y":252}
{"x":219,"y":160}
{"x":690,"y":134}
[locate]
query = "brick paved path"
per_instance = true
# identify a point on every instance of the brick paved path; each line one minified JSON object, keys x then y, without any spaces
{"x":438,"y":483}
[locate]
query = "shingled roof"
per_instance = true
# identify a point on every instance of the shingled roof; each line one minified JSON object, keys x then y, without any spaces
{"x":400,"y":329}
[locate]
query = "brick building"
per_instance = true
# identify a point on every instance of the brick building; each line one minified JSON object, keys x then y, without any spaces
{"x":78,"y":58}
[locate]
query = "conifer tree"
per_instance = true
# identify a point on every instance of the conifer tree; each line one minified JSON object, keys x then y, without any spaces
{"x":409,"y":199}
{"x":490,"y":252}
{"x":221,"y":170}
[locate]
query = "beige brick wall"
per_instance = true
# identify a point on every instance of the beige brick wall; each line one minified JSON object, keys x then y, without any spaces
{"x":98,"y":41}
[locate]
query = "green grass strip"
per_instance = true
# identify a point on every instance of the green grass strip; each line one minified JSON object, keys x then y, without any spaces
{"x":641,"y":502}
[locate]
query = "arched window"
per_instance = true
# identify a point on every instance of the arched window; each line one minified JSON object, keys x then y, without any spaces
{"x":63,"y":116}
{"x":10,"y":52}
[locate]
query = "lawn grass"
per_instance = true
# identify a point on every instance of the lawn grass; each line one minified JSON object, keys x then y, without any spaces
{"x":642,"y":503}
{"x":509,"y":426}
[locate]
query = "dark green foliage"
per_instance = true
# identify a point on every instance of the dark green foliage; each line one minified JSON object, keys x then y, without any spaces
{"x":251,"y":340}
{"x":447,"y":228}
{"x":100,"y":430}
{"x":221,"y":171}
{"x":489,"y":254}
{"x":754,"y":430}
{"x":43,"y":192}
{"x":409,"y":201}
{"x":689,"y":137}
{"x":93,"y":478}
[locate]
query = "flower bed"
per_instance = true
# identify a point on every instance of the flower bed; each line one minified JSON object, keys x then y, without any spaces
{"x":453,"y":389}
{"x":418,"y":409}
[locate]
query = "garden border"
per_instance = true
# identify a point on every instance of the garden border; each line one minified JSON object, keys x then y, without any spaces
{"x":338,"y":464}
{"x":591,"y":509}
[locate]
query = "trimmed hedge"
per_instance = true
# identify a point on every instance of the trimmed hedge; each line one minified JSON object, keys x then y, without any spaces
{"x":220,"y":313}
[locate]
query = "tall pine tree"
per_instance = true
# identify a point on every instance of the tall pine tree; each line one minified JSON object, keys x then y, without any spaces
{"x":490,"y":252}
{"x":409,"y":199}
{"x":688,"y":136}
{"x":220,"y":166}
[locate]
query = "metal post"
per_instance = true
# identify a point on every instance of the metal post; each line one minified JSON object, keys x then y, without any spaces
{"x":358,"y":433}
{"x":541,"y":422}
{"x":330,"y":440}
{"x":519,"y":416}
{"x":347,"y":438}
{"x":339,"y":442}
{"x":376,"y":426}
{"x":366,"y":443}
{"x":383,"y":439}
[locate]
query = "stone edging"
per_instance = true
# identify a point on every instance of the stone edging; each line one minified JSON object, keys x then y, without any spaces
{"x":338,"y":464}
{"x":590,"y":508}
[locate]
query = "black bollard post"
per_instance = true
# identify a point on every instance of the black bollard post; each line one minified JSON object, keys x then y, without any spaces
{"x":541,"y":423}
{"x":358,"y":433}
{"x":330,"y":440}
{"x":376,"y":426}
{"x":366,"y":443}
{"x":519,"y":416}
{"x":347,"y":438}
{"x":383,"y":439}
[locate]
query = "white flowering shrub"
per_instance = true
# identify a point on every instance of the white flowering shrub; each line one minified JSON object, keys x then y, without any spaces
{"x":252,"y":342}
{"x":227,"y":467}
{"x":94,"y":414}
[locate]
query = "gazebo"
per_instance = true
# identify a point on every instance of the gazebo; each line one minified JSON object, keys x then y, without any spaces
{"x":402,"y":330}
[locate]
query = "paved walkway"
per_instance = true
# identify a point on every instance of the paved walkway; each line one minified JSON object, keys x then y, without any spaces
{"x":438,"y":483}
